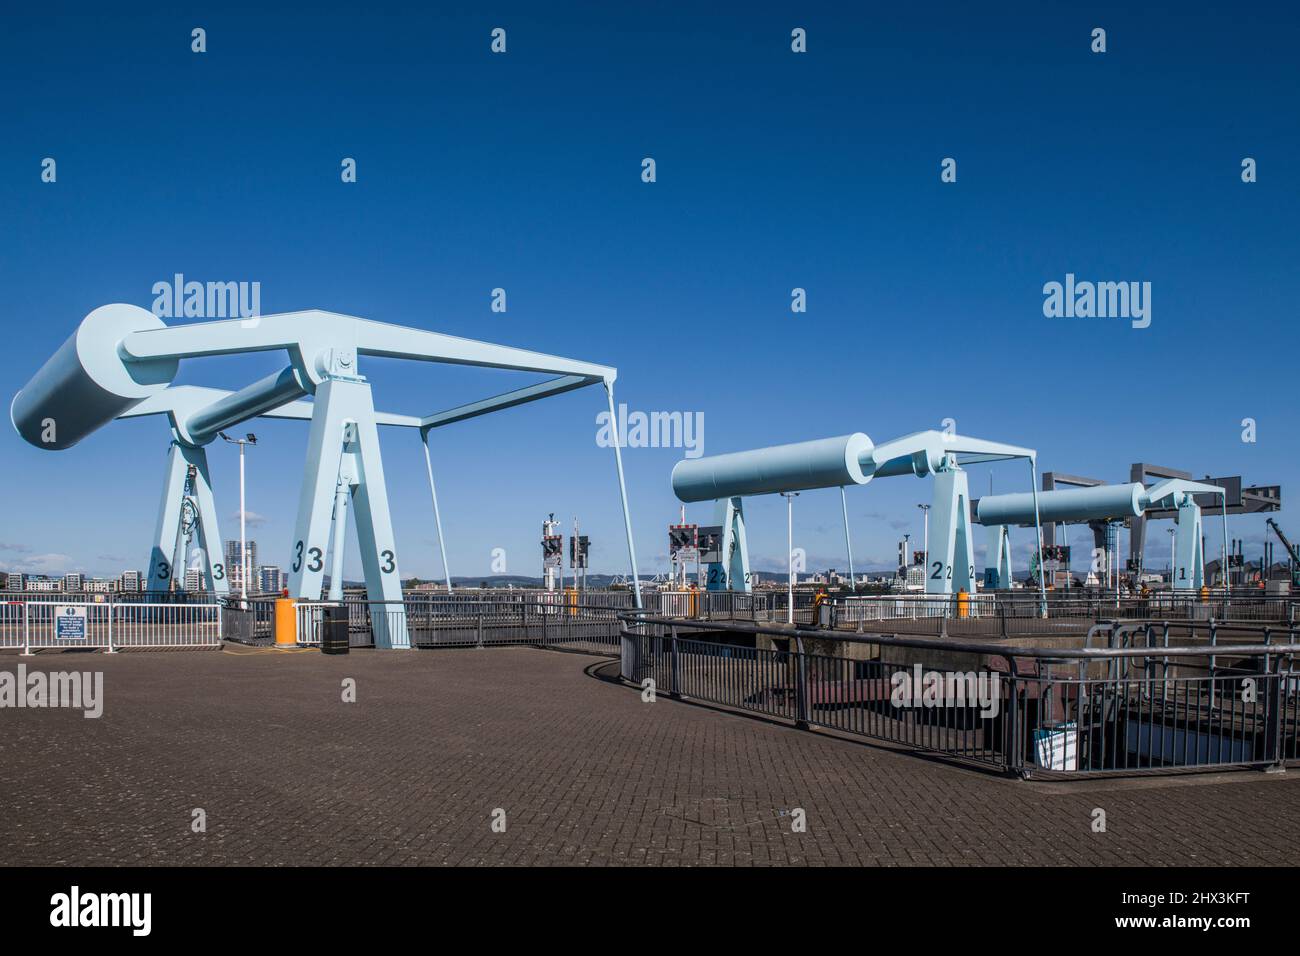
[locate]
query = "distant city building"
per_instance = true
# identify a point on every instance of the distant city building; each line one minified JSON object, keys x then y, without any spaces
{"x":16,"y":581}
{"x":194,"y":579}
{"x":270,"y":579}
{"x":235,"y":567}
{"x":74,"y":582}
{"x":43,"y":584}
{"x":100,"y":586}
{"x":130,"y":581}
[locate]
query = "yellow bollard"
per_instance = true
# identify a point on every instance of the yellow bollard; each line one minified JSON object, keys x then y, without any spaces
{"x":963,"y":604}
{"x":1205,"y":594}
{"x":286,"y":622}
{"x":571,"y":599}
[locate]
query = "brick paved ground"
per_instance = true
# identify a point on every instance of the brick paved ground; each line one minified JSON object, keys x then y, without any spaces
{"x":410,"y":774}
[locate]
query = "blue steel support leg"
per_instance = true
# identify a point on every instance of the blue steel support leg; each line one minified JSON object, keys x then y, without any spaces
{"x":161,"y":568}
{"x":997,"y":570}
{"x":952,"y":552}
{"x":1189,"y":569}
{"x":338,"y":547}
{"x":343,"y":422}
{"x":732,"y":572}
{"x":716,"y":572}
{"x":316,"y":500}
{"x":209,"y":528}
{"x":375,"y":538}
{"x":740,"y":578}
{"x":178,"y":551}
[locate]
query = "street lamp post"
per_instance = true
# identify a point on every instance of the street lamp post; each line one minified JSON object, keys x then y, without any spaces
{"x":250,"y":439}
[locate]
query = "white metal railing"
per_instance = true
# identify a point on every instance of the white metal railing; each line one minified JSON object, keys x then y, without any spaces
{"x":165,"y":625}
{"x":43,"y":625}
{"x":67,"y":624}
{"x":12,"y":622}
{"x":309,"y":615}
{"x":855,"y":610}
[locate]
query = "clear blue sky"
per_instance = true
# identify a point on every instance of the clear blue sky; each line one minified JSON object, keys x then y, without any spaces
{"x":775,"y":170}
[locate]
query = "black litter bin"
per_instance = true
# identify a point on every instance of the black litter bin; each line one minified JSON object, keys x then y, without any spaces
{"x":334,"y":631}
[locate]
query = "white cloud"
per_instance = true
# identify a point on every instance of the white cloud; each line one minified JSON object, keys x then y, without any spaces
{"x":251,"y":518}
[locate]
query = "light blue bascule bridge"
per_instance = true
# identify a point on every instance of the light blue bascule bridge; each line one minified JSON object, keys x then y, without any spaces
{"x":1100,"y":505}
{"x":844,"y":462}
{"x":121,"y":362}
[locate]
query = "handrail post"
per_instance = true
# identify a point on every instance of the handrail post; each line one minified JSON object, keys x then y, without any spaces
{"x":801,"y":685}
{"x":675,"y":686}
{"x":1012,"y":754}
{"x":1273,"y":708}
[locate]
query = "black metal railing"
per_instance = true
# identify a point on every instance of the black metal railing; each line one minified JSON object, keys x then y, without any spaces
{"x":1009,"y":615}
{"x":546,"y":620}
{"x":248,"y":620}
{"x":1146,"y":696}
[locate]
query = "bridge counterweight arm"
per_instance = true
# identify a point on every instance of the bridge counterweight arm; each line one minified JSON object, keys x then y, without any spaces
{"x":520,"y":396}
{"x":313,"y":332}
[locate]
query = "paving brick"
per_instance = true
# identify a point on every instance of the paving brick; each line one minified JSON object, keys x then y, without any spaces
{"x":586,"y":773}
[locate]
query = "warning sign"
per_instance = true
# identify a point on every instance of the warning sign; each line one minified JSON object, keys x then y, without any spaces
{"x":69,"y":622}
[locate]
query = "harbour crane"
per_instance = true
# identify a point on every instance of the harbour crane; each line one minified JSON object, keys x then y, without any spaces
{"x":1290,"y":550}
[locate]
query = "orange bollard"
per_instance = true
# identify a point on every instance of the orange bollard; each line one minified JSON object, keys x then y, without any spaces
{"x":963,"y":604}
{"x":286,"y":622}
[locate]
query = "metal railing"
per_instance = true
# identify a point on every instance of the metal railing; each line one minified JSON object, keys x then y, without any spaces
{"x":544,"y":619}
{"x":13,"y":615}
{"x":1009,"y":615}
{"x":110,"y":597}
{"x":1158,"y":697}
{"x":165,"y":625}
{"x":248,"y":621}
{"x":49,"y":625}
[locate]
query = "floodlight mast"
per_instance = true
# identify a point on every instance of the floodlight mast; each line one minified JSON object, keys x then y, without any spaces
{"x":122,"y":360}
{"x":243,"y":514}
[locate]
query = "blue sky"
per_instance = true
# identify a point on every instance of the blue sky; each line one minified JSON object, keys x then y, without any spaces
{"x":775,"y":170}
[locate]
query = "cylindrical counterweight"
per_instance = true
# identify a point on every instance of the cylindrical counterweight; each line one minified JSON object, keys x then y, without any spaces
{"x":1099,"y":503}
{"x":824,"y":463}
{"x":86,"y":383}
{"x":249,"y":402}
